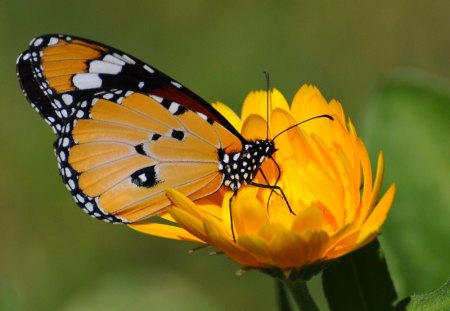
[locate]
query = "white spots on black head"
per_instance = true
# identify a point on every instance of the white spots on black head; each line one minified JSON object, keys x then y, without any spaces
{"x":84,"y":81}
{"x":226,"y":158}
{"x":176,"y":84}
{"x":239,"y":168}
{"x":141,"y":84}
{"x":128,"y":93}
{"x":149,"y":69}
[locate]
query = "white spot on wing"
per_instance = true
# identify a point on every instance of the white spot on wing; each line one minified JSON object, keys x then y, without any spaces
{"x":108,"y":95}
{"x":157,"y":98}
{"x":128,"y":59}
{"x":89,"y":207}
{"x":67,"y":99}
{"x":26,"y":56}
{"x":149,"y":69}
{"x":85,"y":81}
{"x":65,"y":142}
{"x":111,"y":59}
{"x":173,"y":108}
{"x":38,"y":42}
{"x":98,"y":66}
{"x":80,"y":114}
{"x":176,"y":84}
{"x":62,"y":156}
{"x":53,"y":41}
{"x":71,"y":184}
{"x":203,"y":116}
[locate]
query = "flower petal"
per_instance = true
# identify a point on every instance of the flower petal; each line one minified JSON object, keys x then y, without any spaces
{"x":228,"y":114}
{"x":256,"y":103}
{"x":165,"y":231}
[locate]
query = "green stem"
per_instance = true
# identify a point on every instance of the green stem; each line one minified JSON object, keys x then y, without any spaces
{"x":301,"y":295}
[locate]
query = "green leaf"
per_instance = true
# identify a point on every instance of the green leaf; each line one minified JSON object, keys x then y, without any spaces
{"x":409,"y":120}
{"x":359,"y":281}
{"x":435,"y":301}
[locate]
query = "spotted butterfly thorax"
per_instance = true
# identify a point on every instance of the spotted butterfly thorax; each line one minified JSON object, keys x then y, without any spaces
{"x":126,"y":132}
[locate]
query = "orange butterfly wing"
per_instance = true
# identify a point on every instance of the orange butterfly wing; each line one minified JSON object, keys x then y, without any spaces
{"x":126,"y":131}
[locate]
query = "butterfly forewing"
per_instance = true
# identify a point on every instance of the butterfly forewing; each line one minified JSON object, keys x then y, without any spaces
{"x":126,"y":132}
{"x":59,"y":71}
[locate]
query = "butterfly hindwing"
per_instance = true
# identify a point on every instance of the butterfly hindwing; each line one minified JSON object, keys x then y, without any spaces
{"x":117,"y":159}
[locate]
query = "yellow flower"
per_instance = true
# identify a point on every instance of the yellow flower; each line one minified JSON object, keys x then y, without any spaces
{"x":325,"y":175}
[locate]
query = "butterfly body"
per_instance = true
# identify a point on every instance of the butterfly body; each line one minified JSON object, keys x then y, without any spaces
{"x":241,"y":168}
{"x":126,"y":131}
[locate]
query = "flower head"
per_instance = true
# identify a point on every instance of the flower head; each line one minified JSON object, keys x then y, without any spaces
{"x":324,"y":170}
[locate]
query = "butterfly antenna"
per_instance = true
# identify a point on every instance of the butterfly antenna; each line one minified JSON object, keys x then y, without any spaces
{"x":304,"y":121}
{"x":266,"y":75}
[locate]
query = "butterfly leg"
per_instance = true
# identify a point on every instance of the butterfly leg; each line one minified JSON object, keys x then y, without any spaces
{"x":231,"y":216}
{"x":274,"y":188}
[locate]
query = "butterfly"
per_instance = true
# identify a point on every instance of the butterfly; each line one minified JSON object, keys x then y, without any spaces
{"x":126,"y":131}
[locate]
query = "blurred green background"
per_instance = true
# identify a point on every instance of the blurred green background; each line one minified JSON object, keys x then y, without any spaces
{"x":386,"y":61}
